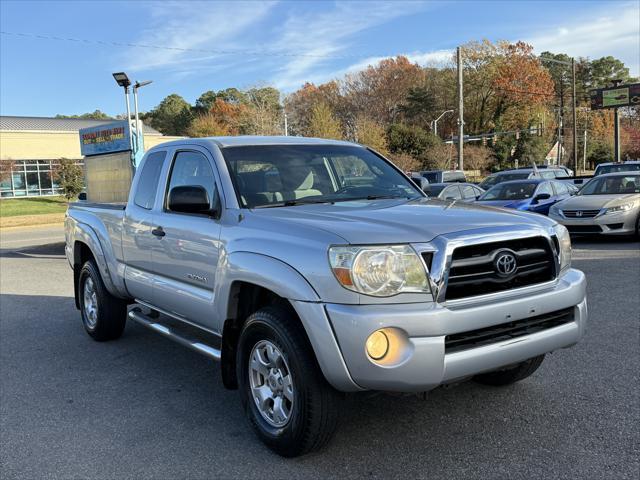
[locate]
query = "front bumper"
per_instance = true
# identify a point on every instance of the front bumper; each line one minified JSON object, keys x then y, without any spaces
{"x":621,"y":223}
{"x":423,"y":364}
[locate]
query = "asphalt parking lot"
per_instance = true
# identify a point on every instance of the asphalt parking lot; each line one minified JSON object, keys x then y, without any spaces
{"x":144,"y":407}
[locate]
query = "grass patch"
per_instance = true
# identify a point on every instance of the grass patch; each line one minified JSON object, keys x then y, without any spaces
{"x":13,"y":207}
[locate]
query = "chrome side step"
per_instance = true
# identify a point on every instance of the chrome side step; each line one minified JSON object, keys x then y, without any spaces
{"x":153,"y":324}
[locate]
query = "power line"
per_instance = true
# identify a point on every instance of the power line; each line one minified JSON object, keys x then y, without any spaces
{"x":182,"y":49}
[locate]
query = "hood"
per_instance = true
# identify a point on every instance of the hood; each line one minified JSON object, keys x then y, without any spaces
{"x":397,"y":221}
{"x":595,"y":202}
{"x":504,"y":203}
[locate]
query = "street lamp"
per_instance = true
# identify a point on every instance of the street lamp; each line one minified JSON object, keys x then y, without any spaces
{"x":435,"y":122}
{"x":136,"y":86}
{"x":123,"y":81}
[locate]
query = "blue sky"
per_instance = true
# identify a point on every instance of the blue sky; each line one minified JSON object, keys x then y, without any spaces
{"x":280,"y":43}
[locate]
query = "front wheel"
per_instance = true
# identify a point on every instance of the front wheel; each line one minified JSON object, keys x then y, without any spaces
{"x":103,"y":315}
{"x":510,"y":375}
{"x":286,"y":398}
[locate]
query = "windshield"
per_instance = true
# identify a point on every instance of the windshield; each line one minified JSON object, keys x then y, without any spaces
{"x":434,"y":190}
{"x":285,"y":175}
{"x":509,"y":191}
{"x":503,"y":177}
{"x":619,"y":167}
{"x":431,"y":176}
{"x":612,"y":185}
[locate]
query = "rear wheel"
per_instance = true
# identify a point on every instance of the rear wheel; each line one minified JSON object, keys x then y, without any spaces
{"x":286,"y":398}
{"x":510,"y":375}
{"x":103,"y":315}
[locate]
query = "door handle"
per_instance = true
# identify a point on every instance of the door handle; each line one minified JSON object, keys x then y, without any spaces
{"x":158,"y":232}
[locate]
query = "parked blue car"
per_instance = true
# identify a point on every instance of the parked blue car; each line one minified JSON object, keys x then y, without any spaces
{"x":533,"y":195}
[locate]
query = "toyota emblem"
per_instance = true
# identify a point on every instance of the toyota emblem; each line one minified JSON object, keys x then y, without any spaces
{"x":505,"y":264}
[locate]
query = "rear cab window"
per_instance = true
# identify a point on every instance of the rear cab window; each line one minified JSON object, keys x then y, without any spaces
{"x":149,"y":179}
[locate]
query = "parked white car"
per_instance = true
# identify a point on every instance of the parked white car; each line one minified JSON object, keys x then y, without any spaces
{"x":608,"y":204}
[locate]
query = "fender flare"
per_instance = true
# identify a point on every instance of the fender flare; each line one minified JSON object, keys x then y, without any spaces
{"x":85,"y":234}
{"x":288,"y":283}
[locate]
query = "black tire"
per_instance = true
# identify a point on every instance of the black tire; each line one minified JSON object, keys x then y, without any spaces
{"x":315,"y":405}
{"x":638,"y":227}
{"x":511,"y":375}
{"x":111,"y":312}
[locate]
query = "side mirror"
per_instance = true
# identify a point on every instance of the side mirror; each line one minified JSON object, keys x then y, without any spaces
{"x":541,"y":196}
{"x":189,"y":199}
{"x":82,"y":196}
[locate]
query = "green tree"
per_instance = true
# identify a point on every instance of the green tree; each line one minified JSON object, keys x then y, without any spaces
{"x":96,"y":114}
{"x":172,"y":116}
{"x":603,"y":70}
{"x":323,"y":124}
{"x":69,"y":175}
{"x":371,"y":134}
{"x":530,"y":148}
{"x":420,"y":106}
{"x":410,"y":139}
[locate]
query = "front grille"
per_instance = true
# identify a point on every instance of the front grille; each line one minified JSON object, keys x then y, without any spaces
{"x":474,"y":270}
{"x":584,"y":228}
{"x":580,"y":213}
{"x":506,"y":331}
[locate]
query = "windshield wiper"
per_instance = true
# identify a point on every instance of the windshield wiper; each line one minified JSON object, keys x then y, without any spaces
{"x":375,"y":197}
{"x":292,"y":203}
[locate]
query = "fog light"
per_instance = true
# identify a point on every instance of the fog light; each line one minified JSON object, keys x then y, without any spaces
{"x":377,"y":345}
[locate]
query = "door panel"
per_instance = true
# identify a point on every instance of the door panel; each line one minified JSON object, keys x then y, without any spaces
{"x":185,"y":258}
{"x":137,"y":240}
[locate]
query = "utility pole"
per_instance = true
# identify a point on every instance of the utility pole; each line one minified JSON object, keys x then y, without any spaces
{"x":575,"y":123}
{"x":559,"y":154}
{"x":584,"y":152}
{"x":286,"y":125}
{"x":616,"y":128}
{"x":460,"y":112}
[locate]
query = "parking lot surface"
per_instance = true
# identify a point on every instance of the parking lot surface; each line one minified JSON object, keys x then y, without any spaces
{"x":144,"y":407}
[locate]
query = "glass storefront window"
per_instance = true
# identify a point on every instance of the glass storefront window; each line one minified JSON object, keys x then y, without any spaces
{"x":30,"y":178}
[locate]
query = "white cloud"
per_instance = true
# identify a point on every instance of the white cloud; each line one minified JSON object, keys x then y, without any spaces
{"x":614,"y":30}
{"x":197,"y":26}
{"x":328,"y":34}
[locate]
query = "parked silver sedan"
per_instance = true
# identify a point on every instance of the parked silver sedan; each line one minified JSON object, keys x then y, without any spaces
{"x":608,"y":204}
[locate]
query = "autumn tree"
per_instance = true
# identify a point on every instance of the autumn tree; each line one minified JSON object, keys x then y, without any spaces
{"x":207,"y":125}
{"x":371,"y":134}
{"x":380,"y":90}
{"x":264,"y":115}
{"x":405,"y":162}
{"x":323,"y":124}
{"x":477,"y":158}
{"x":70,"y":176}
{"x":440,"y":156}
{"x":6,"y":167}
{"x":299,"y":105}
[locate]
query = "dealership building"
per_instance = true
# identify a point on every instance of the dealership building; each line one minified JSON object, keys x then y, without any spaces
{"x":30,"y":146}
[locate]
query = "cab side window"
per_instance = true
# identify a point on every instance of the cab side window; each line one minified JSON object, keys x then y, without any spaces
{"x":561,"y":188}
{"x":452,"y":192}
{"x":193,"y":169}
{"x":545,"y":187}
{"x":149,"y":178}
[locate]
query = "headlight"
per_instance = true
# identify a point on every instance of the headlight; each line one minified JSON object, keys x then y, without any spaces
{"x":380,"y":271}
{"x":564,"y":242}
{"x":620,"y":208}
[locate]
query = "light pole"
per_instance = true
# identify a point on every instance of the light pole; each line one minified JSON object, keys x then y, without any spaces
{"x":135,"y":106}
{"x":435,"y":122}
{"x":123,"y":81}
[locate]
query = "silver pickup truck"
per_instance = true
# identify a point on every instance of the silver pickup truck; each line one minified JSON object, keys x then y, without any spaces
{"x":311,"y":267}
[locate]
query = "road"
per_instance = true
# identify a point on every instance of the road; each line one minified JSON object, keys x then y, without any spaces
{"x":24,"y":237}
{"x":144,"y":407}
